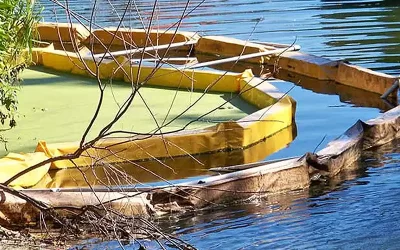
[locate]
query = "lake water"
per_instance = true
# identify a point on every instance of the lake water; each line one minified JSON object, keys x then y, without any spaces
{"x":358,"y":210}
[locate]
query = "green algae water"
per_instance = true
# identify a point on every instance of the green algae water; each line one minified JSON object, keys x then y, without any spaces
{"x":57,"y":107}
{"x":356,"y":211}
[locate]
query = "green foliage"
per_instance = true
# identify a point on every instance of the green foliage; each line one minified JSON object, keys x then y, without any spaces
{"x":17,"y":19}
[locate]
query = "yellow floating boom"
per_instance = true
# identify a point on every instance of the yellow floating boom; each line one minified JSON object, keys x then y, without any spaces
{"x":276,"y":109}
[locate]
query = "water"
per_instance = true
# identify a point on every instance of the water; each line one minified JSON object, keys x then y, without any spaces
{"x":358,"y":210}
{"x":355,"y":211}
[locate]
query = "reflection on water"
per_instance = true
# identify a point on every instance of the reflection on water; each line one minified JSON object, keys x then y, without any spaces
{"x":349,"y":95}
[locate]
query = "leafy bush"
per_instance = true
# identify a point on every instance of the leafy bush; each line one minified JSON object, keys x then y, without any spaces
{"x":17,"y":19}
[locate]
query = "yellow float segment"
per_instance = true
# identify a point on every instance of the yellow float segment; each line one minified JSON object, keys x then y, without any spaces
{"x":13,"y":164}
{"x":305,"y":64}
{"x":362,"y":78}
{"x":183,"y":79}
{"x":60,"y":149}
{"x":359,"y":97}
{"x":61,"y":60}
{"x":177,"y":144}
{"x":230,"y":47}
{"x":340,"y":72}
{"x":138,"y":37}
{"x":71,"y":62}
{"x":62,"y":32}
{"x":73,"y":177}
{"x":267,"y":121}
{"x":130,"y":149}
{"x":174,"y":168}
{"x":258,"y":92}
{"x":36,"y":53}
{"x":107,"y":69}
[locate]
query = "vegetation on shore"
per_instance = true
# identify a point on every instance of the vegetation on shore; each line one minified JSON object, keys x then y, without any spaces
{"x":17,"y":20}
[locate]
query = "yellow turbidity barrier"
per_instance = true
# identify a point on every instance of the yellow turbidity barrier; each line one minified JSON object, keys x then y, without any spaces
{"x":227,"y":135}
{"x":362,"y":78}
{"x":338,"y":71}
{"x":36,"y":53}
{"x":276,"y":114}
{"x":138,"y":37}
{"x":74,"y":63}
{"x":217,"y":46}
{"x":13,"y":164}
{"x":230,"y":47}
{"x":62,"y":32}
{"x":178,"y":167}
{"x":183,"y":79}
